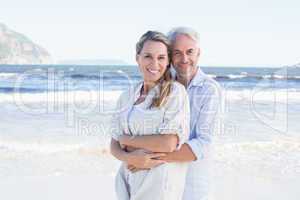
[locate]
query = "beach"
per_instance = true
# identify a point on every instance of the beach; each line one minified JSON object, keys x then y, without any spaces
{"x":241,"y":171}
{"x":54,"y":138}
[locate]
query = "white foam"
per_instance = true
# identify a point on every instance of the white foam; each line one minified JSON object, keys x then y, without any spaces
{"x":212,"y":75}
{"x":234,"y":76}
{"x":278,"y":76}
{"x":49,"y":145}
{"x":274,"y":159}
{"x":263,"y":95}
{"x":295,"y":77}
{"x":254,"y":95}
{"x":267,"y":76}
{"x":8,"y":75}
{"x":61,"y":97}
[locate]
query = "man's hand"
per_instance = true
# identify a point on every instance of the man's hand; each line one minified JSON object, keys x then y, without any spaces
{"x":134,"y":169}
{"x":130,"y":149}
{"x":142,"y":159}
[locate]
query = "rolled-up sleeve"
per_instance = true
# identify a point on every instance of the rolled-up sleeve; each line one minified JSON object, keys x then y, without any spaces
{"x":205,"y":122}
{"x":176,"y":118}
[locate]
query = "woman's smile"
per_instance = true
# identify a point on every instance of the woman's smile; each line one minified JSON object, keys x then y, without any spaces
{"x":153,"y":71}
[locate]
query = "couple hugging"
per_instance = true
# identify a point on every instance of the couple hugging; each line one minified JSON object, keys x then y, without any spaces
{"x":162,"y":130}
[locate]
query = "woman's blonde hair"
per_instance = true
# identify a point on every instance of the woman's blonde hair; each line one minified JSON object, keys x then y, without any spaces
{"x":165,"y":82}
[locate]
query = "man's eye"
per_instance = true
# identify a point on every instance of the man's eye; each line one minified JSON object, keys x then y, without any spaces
{"x":161,"y":58}
{"x":191,"y":51}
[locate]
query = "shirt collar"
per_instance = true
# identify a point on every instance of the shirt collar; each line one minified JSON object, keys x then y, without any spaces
{"x":137,"y":91}
{"x":198,"y":79}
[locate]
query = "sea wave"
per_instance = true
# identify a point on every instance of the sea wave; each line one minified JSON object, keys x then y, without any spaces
{"x":120,"y":75}
{"x":106,"y":76}
{"x":111,"y":96}
{"x":50,"y":145}
{"x":8,"y":75}
{"x":20,"y":89}
{"x":263,"y":95}
{"x":272,"y":159}
{"x":254,"y":77}
{"x":61,"y":96}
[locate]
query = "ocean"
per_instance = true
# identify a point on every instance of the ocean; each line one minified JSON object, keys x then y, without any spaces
{"x":55,"y":120}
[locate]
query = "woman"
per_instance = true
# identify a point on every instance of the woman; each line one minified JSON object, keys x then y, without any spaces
{"x":157,"y":105}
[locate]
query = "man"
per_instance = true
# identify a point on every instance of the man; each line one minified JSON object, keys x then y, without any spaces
{"x":204,"y":101}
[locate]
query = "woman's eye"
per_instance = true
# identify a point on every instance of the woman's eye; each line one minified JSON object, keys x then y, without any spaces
{"x":161,"y":58}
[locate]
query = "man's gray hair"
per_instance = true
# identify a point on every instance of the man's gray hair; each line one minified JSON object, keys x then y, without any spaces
{"x":191,"y":33}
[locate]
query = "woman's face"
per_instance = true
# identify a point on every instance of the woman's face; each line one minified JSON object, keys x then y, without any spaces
{"x":153,"y":60}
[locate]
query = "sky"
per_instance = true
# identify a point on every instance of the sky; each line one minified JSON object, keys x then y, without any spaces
{"x":232,"y":32}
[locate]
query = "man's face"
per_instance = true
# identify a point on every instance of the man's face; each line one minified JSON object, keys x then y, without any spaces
{"x":185,"y":55}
